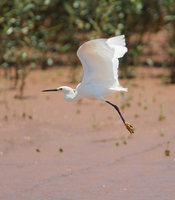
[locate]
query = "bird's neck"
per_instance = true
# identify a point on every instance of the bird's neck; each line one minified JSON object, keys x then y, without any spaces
{"x":70,"y":94}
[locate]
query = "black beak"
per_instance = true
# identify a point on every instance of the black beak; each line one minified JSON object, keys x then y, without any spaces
{"x":50,"y":90}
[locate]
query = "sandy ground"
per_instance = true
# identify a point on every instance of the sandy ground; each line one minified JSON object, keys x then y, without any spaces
{"x":54,"y":150}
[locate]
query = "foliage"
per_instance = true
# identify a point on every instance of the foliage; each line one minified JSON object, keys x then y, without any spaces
{"x":170,"y":27}
{"x":36,"y":32}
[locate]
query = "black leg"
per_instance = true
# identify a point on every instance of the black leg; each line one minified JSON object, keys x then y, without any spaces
{"x":128,"y":126}
{"x":116,"y":107}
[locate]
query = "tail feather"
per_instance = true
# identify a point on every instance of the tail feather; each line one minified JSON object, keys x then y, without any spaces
{"x":120,"y":88}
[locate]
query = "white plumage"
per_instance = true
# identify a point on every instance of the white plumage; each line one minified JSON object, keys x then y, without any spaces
{"x":100,"y":63}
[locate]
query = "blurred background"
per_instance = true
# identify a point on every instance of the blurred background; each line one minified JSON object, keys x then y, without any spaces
{"x":52,"y":149}
{"x":46,"y":33}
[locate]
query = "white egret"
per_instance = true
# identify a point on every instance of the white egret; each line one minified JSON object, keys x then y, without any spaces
{"x":99,"y":59}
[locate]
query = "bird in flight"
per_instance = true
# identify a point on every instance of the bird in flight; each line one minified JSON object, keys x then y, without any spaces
{"x":99,"y":59}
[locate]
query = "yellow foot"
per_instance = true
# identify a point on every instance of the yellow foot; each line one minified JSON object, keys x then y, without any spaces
{"x":129,"y":127}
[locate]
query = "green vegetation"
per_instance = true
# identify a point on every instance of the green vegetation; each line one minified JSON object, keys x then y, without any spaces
{"x":136,"y":115}
{"x":167,"y":151}
{"x":145,"y":107}
{"x":116,"y":144}
{"x":61,"y":150}
{"x":125,"y":142}
{"x":5,"y":117}
{"x":78,"y":111}
{"x":94,"y":122}
{"x":35,"y":33}
{"x":23,"y":115}
{"x":30,"y":117}
{"x":38,"y":150}
{"x":161,"y":115}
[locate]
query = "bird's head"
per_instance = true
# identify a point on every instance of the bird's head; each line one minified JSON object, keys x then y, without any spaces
{"x":69,"y":92}
{"x":64,"y":89}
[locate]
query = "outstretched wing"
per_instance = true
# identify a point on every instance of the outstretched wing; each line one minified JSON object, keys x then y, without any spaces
{"x":100,"y":60}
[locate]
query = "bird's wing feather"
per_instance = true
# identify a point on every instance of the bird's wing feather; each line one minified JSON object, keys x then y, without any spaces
{"x":100,"y":60}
